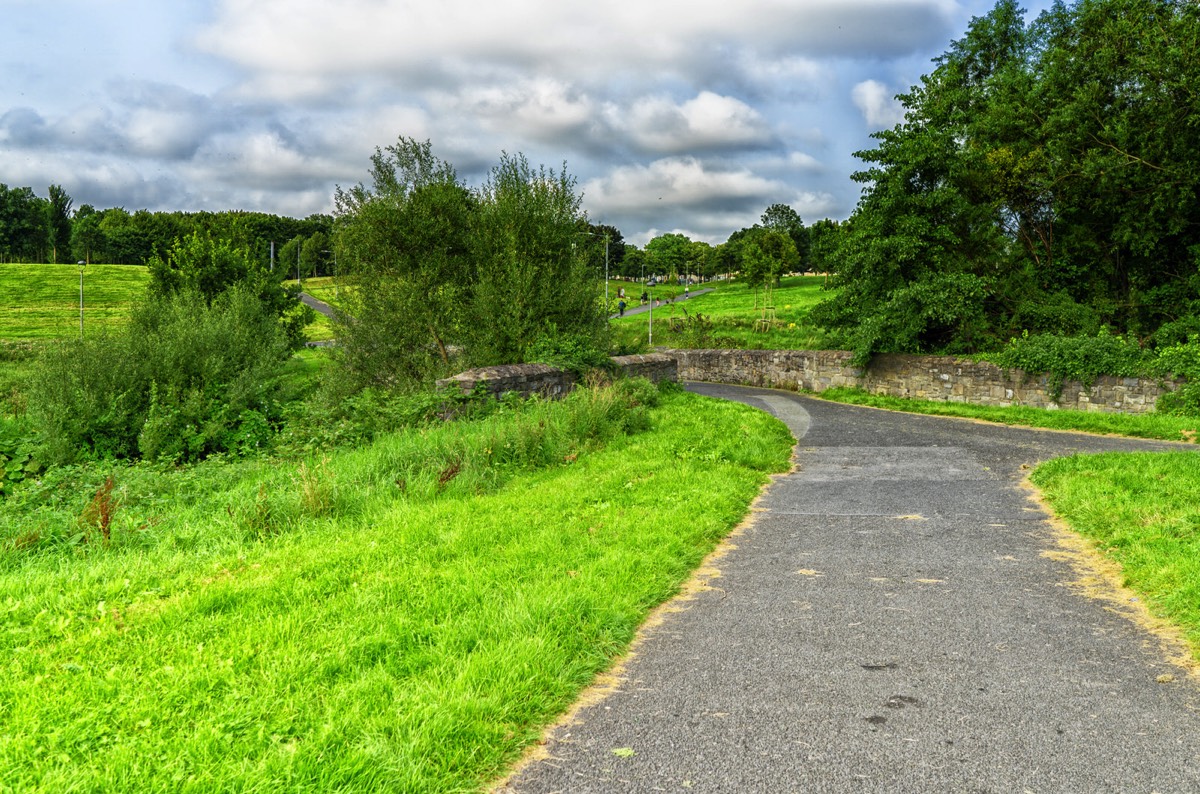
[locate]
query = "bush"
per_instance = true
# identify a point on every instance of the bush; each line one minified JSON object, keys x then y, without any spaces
{"x":575,"y":352}
{"x":182,"y":380}
{"x":1080,"y":358}
{"x":1181,"y":360}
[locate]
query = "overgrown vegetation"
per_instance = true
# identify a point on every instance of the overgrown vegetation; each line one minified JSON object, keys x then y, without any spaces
{"x":182,"y":380}
{"x":445,"y":277}
{"x":402,"y":616}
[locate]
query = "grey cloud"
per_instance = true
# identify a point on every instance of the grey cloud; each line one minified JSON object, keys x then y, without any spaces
{"x":23,"y":127}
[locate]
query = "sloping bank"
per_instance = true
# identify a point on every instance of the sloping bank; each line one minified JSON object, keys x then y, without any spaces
{"x":402,"y":617}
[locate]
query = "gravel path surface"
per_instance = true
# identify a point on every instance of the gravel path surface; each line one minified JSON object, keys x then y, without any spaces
{"x":894,"y":619}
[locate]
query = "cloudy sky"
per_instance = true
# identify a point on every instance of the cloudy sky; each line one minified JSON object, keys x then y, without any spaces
{"x":686,"y":116}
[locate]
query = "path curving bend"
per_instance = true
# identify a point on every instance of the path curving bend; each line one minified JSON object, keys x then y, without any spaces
{"x":895,"y":619}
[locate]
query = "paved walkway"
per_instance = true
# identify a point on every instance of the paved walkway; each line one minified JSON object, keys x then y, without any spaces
{"x":664,"y":306}
{"x":316,"y":304}
{"x":891,"y":621}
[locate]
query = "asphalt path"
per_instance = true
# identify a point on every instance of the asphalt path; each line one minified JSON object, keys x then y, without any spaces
{"x":894,"y":618}
{"x":315,"y":304}
{"x":644,"y":308}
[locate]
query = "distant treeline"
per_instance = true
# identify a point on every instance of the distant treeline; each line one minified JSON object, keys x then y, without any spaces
{"x":37,"y":229}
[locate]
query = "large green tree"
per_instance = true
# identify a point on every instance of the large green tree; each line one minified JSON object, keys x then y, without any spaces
{"x":403,"y":241}
{"x":531,"y":279}
{"x":449,"y":277}
{"x":1045,"y":178}
{"x":58,"y":224}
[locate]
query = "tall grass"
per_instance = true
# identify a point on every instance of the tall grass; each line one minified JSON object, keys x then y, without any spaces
{"x":405,"y":616}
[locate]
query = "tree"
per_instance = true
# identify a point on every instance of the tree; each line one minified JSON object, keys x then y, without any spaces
{"x":24,"y":234}
{"x":601,"y":236}
{"x":288,"y":258}
{"x":783,"y":218}
{"x":86,"y":235}
{"x":490,"y":273}
{"x":530,"y":278}
{"x":670,"y":255}
{"x":403,"y":241}
{"x":314,"y":255}
{"x":58,"y":223}
{"x":1044,"y":179}
{"x":766,"y":255}
{"x":209,"y":268}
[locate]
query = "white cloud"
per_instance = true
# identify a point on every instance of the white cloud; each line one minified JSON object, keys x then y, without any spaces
{"x":708,"y":121}
{"x":678,"y":181}
{"x":285,"y":44}
{"x":877,"y":104}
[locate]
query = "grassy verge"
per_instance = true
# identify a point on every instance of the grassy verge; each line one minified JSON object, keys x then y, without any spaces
{"x":403,"y":617}
{"x":1157,"y":426}
{"x":42,"y":301}
{"x":1142,"y":510}
{"x":732,"y":317}
{"x":331,"y":291}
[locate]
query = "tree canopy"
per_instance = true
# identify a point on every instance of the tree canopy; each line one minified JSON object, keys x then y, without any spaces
{"x":487,"y":272}
{"x":1045,"y":178}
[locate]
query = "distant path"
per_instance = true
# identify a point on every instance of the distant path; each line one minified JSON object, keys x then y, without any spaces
{"x":678,"y":299}
{"x":896,"y":618}
{"x":319,"y":305}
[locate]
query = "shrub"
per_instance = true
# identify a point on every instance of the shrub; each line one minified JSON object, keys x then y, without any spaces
{"x":1181,"y":360}
{"x":575,"y":352}
{"x":1081,"y":358}
{"x":182,"y":380}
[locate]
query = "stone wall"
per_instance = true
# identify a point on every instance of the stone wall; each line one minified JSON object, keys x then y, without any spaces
{"x":654,"y":367}
{"x":552,"y":382}
{"x":925,"y":377}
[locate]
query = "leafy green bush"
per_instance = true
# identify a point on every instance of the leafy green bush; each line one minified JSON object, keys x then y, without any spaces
{"x":1081,"y":358}
{"x":183,"y":380}
{"x":1181,"y":360}
{"x":573,"y":351}
{"x":17,"y":459}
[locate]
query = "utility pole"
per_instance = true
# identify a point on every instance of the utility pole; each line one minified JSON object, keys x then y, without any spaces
{"x":81,"y":301}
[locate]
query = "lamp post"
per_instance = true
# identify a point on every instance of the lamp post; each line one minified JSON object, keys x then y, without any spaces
{"x":81,"y":264}
{"x":606,"y":238}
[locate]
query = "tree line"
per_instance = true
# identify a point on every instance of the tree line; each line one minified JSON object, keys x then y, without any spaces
{"x":37,"y":229}
{"x":1045,"y":181}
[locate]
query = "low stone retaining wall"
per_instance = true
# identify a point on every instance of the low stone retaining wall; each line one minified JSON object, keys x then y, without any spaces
{"x":552,"y":382}
{"x":924,"y":377}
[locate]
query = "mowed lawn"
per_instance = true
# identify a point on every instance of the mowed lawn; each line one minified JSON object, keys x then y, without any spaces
{"x":734,"y":311}
{"x":42,"y":301}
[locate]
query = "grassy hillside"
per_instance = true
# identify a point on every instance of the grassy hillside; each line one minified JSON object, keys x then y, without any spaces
{"x":404,"y":616}
{"x":729,"y":317}
{"x":42,"y":301}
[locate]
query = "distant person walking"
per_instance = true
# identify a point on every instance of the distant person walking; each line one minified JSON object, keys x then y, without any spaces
{"x":621,"y":308}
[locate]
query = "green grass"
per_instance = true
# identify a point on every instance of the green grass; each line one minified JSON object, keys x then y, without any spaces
{"x":42,"y":301}
{"x":731,"y":308}
{"x":403,"y":617}
{"x":1153,"y":425}
{"x":1143,"y":511}
{"x":324,"y":288}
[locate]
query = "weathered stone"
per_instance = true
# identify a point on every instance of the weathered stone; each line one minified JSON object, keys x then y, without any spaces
{"x":930,"y":377}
